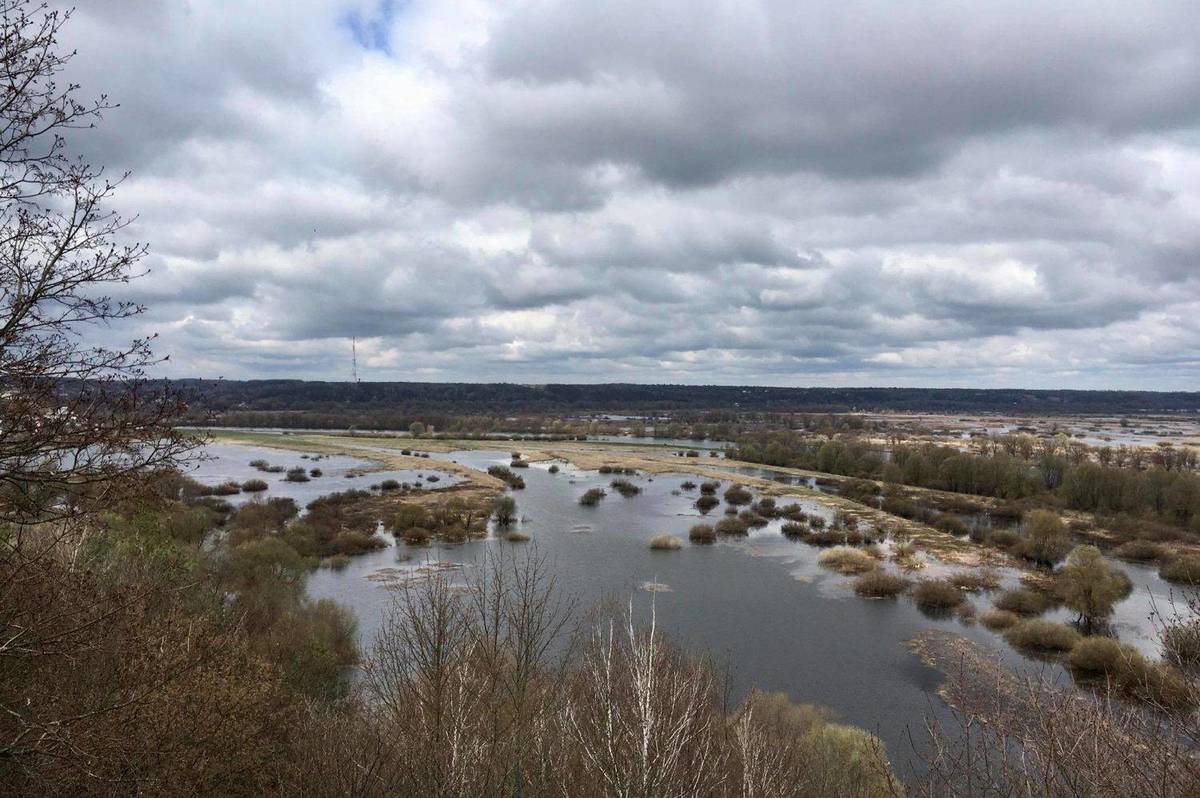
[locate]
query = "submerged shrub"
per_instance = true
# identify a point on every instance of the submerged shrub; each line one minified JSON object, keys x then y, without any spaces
{"x":998,"y":620}
{"x":847,"y":560}
{"x":297,"y":474}
{"x":793,"y":512}
{"x":687,"y":484}
{"x":512,"y":479}
{"x":709,"y":488}
{"x":730,"y":526}
{"x":1090,"y":586}
{"x":1140,"y":551}
{"x":702,"y":533}
{"x":736,"y":494}
{"x":752,"y":519}
{"x":831,"y":537}
{"x":389,"y":484}
{"x":665,"y":542}
{"x":553,"y":469}
{"x":592,"y":497}
{"x":504,"y":510}
{"x":1181,"y":643}
{"x":1022,"y":601}
{"x":1184,"y":569}
{"x":227,"y":489}
{"x":975,"y":579}
{"x":706,"y":502}
{"x":1046,"y":540}
{"x":1038,"y":634}
{"x":880,"y":584}
{"x":937,"y":594}
{"x":516,"y":536}
{"x":794,"y":530}
{"x":1101,"y":655}
{"x":625,"y":488}
{"x":416,"y":536}
{"x":410,"y":515}
{"x":254,"y":485}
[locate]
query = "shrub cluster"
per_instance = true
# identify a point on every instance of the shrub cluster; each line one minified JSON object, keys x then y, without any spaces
{"x":513,"y":480}
{"x":879,"y":583}
{"x":625,"y":488}
{"x":592,"y":497}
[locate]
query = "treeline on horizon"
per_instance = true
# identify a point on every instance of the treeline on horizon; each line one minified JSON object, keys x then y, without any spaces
{"x":400,"y":402}
{"x":1161,"y":486}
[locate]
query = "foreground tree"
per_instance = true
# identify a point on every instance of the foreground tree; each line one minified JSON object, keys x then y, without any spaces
{"x":78,"y":419}
{"x":79,"y":426}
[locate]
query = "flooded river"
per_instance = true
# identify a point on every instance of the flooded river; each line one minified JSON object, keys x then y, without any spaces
{"x":759,"y":604}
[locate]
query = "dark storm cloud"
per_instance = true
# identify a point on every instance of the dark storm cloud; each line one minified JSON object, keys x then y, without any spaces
{"x":854,"y":192}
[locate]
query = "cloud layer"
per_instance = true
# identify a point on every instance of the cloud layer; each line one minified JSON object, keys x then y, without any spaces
{"x":705,"y":191}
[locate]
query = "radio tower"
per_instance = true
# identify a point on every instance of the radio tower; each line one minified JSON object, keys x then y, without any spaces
{"x":354,"y":356}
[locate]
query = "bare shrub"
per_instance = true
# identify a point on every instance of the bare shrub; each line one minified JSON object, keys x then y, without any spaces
{"x":1019,"y":735}
{"x":880,"y":584}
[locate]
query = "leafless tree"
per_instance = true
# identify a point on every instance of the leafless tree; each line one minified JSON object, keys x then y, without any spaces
{"x":1020,"y":735}
{"x":645,"y":720}
{"x":77,"y":420}
{"x":79,"y":423}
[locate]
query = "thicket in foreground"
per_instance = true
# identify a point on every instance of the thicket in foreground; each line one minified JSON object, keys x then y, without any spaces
{"x":489,"y":691}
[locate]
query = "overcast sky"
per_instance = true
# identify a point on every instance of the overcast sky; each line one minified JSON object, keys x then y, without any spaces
{"x":788,"y":193}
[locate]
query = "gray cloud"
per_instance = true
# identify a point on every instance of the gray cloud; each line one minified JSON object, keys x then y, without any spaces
{"x":792,"y":193}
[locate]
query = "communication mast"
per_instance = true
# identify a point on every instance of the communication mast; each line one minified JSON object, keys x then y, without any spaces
{"x":354,"y":356}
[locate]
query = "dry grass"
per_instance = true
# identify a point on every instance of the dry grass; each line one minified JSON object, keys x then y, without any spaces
{"x":847,"y":560}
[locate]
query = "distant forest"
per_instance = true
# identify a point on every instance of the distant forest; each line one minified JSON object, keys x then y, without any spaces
{"x":254,"y":401}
